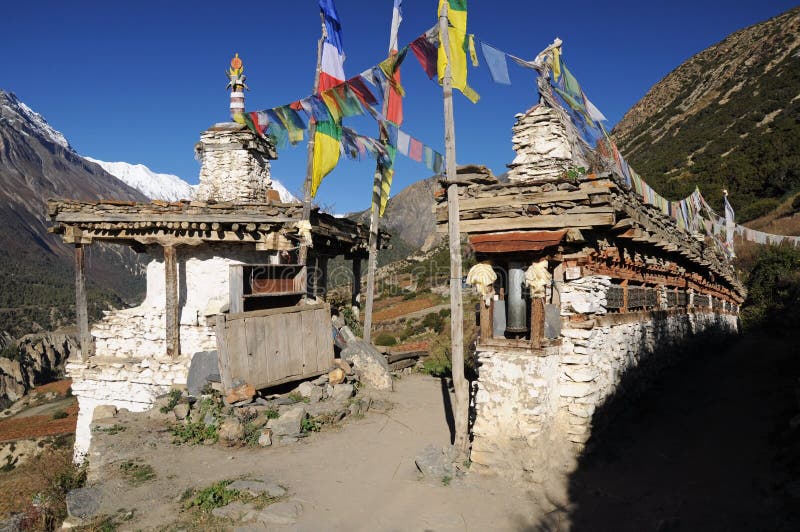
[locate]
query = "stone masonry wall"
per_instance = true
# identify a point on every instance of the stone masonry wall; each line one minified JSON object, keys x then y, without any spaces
{"x":536,"y":411}
{"x":130,"y":367}
{"x":235,"y":165}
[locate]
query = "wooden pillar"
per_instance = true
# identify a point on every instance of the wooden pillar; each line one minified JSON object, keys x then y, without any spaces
{"x":537,"y":322}
{"x":171,"y":306}
{"x":460,"y":386}
{"x":81,"y":307}
{"x":487,"y":320}
{"x":356,"y":283}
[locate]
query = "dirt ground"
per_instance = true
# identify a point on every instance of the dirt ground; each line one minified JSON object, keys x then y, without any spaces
{"x":358,"y":477}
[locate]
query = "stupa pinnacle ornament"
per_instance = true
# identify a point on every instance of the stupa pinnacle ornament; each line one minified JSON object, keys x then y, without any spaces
{"x":236,"y":79}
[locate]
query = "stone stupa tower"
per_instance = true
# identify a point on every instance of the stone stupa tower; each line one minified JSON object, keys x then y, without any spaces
{"x":235,"y":160}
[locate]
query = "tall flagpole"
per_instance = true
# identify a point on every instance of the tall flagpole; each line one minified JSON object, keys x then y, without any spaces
{"x":374,"y":221}
{"x":461,"y":406}
{"x":312,"y":128}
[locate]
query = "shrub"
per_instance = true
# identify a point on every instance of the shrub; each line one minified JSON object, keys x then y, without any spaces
{"x":214,"y":496}
{"x":773,"y":286}
{"x":193,"y":433}
{"x":309,"y":424}
{"x":174,"y":399}
{"x":60,"y":414}
{"x":385,"y":339}
{"x":437,"y":367}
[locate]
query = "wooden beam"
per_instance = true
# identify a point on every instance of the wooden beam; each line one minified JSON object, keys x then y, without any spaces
{"x":172,"y":309}
{"x":544,"y":221}
{"x":81,"y":306}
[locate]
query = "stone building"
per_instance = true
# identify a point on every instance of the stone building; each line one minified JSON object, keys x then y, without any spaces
{"x":583,"y":284}
{"x":196,"y":251}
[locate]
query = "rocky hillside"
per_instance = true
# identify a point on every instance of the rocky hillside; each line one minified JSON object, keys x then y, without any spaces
{"x":726,"y":118}
{"x":36,"y":274}
{"x":408,"y":215}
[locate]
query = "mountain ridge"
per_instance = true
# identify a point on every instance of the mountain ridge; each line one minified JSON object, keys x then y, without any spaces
{"x":724,"y":119}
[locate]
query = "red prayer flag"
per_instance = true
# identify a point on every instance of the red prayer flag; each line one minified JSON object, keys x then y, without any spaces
{"x":415,"y":150}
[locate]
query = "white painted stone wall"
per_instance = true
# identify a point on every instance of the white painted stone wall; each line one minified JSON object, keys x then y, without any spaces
{"x":130,"y":367}
{"x":234,"y":167}
{"x":535,"y":411}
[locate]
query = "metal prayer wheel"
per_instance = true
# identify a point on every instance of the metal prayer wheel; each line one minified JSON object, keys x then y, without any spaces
{"x":517,"y":319}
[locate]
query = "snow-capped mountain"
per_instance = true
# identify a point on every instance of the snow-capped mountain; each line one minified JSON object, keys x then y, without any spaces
{"x":34,"y":120}
{"x":166,"y":187}
{"x":286,"y":196}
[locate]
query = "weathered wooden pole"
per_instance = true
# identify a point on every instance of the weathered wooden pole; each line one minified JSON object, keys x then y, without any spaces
{"x":81,"y":306}
{"x":374,"y":222}
{"x":461,"y":406}
{"x":171,"y":307}
{"x":302,"y":256}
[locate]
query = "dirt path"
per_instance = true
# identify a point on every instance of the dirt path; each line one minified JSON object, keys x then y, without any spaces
{"x":707,"y":448}
{"x":359,"y":477}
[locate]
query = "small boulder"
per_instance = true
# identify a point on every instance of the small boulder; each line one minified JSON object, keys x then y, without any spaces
{"x":265,"y":440}
{"x":231,"y":430}
{"x":320,"y":381}
{"x":258,"y":486}
{"x":342,"y":392}
{"x":289,"y":422}
{"x":435,"y":463}
{"x":245,"y":392}
{"x":280,"y":513}
{"x":343,"y":365}
{"x":316,"y":395}
{"x":83,"y":502}
{"x":181,"y":411}
{"x":305,"y":389}
{"x":336,"y":376}
{"x":369,"y":364}
{"x":104,"y":412}
{"x":234,"y":510}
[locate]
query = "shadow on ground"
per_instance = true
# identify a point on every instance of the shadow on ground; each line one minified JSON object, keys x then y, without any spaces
{"x":707,"y":446}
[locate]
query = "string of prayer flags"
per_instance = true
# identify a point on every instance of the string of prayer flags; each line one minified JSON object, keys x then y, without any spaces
{"x":459,"y":43}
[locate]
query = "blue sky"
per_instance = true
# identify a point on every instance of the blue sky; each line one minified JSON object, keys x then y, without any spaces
{"x":138,"y":81}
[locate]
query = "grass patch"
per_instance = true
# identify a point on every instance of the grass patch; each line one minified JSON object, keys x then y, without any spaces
{"x":116,"y":428}
{"x":446,"y":480}
{"x":272,"y":413}
{"x":297,"y":398}
{"x":215,"y":496}
{"x":174,"y":399}
{"x":193,"y":433}
{"x":136,"y":473}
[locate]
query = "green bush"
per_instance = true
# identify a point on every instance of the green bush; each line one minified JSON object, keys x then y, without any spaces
{"x":385,"y":339}
{"x":174,"y":399}
{"x":773,"y":290}
{"x":59,"y":414}
{"x":214,"y":496}
{"x":757,"y":209}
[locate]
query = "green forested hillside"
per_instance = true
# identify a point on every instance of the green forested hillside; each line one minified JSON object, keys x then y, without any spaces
{"x":728,"y":118}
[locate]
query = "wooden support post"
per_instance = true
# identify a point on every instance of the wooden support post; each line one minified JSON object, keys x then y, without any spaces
{"x":302,"y":255}
{"x":172,"y":311}
{"x":356,"y":292}
{"x":487,"y":319}
{"x":461,"y":406}
{"x":537,"y":322}
{"x":81,"y":306}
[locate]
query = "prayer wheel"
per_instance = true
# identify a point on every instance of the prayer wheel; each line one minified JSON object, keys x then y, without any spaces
{"x":517,"y":312}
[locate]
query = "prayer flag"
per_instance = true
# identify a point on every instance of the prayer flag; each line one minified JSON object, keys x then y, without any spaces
{"x":415,"y":150}
{"x":459,"y":43}
{"x":403,"y":141}
{"x":425,"y":52}
{"x":327,"y":142}
{"x":496,"y":61}
{"x":394,"y":107}
{"x":332,"y":71}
